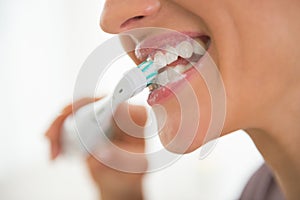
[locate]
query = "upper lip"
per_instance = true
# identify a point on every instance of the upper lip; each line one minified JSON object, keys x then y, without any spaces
{"x":152,"y":44}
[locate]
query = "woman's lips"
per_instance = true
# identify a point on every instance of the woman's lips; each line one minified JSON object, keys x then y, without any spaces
{"x":161,"y":94}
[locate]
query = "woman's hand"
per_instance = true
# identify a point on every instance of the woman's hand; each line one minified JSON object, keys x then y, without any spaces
{"x":54,"y":131}
{"x":113,"y":184}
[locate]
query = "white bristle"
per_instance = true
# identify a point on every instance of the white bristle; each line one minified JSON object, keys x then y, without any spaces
{"x":149,"y":69}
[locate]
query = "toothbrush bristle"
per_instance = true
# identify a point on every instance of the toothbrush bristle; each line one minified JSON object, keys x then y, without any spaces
{"x":149,"y":70}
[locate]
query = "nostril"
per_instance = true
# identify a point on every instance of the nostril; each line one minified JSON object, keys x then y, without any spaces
{"x":138,"y":17}
{"x":131,"y":20}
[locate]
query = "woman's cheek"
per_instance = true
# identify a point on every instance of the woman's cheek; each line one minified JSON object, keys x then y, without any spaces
{"x":183,"y":119}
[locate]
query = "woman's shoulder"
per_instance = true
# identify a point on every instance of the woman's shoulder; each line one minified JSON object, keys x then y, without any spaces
{"x":262,"y":186}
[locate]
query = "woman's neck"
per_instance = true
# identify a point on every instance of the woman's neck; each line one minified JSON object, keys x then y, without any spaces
{"x":279,"y":144}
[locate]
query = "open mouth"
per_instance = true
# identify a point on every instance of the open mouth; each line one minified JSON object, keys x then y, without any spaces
{"x":175,"y":54}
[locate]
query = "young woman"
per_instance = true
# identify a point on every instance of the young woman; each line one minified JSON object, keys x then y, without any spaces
{"x":254,"y":45}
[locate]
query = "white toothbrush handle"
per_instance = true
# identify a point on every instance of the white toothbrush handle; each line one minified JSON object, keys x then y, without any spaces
{"x":88,"y":128}
{"x":91,"y":124}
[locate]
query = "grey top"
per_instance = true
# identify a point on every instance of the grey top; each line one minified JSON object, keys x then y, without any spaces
{"x":262,"y":186}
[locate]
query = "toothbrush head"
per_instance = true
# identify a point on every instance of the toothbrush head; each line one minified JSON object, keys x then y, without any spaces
{"x":149,"y":69}
{"x":134,"y":81}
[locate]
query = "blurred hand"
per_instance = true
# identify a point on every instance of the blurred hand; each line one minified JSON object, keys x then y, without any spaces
{"x":54,"y":131}
{"x":113,"y":184}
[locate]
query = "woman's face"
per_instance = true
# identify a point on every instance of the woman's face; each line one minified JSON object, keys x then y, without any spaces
{"x":249,"y":42}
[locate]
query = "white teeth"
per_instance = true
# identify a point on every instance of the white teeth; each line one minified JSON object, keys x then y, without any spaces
{"x":171,"y":75}
{"x":179,"y":68}
{"x":160,"y":59}
{"x":182,"y":68}
{"x":185,"y":49}
{"x":198,"y":48}
{"x":162,"y":78}
{"x":171,"y":55}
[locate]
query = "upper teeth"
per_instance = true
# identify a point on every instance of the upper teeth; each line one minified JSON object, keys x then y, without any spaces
{"x":160,"y":59}
{"x":184,"y":49}
{"x":171,"y":55}
{"x":198,"y":49}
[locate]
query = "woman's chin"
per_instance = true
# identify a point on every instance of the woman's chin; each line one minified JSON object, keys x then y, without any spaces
{"x":184,"y":117}
{"x":177,"y":146}
{"x":180,"y":133}
{"x":181,"y":142}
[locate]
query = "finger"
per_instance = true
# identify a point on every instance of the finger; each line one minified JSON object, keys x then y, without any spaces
{"x":55,"y":150}
{"x":129,"y":122}
{"x":65,"y":113}
{"x":54,"y":131}
{"x":53,"y":134}
{"x":82,"y":102}
{"x":138,"y":114}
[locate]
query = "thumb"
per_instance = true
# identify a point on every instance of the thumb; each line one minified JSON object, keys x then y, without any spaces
{"x":130,"y":121}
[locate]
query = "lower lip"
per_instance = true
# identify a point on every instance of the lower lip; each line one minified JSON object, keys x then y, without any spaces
{"x":164,"y":93}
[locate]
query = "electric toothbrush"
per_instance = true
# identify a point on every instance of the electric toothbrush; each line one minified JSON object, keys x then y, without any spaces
{"x":94,"y":121}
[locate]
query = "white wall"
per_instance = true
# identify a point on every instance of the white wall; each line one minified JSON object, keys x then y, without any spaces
{"x":42,"y":46}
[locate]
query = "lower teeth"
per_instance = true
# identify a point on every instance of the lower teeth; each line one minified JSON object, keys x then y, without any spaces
{"x":170,"y":75}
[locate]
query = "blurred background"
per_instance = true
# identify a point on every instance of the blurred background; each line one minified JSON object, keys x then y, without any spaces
{"x":42,"y":46}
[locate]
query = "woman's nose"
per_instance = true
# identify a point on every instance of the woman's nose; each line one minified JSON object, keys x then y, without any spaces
{"x":122,"y":15}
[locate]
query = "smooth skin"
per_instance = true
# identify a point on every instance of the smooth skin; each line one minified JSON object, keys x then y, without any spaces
{"x":255,"y":46}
